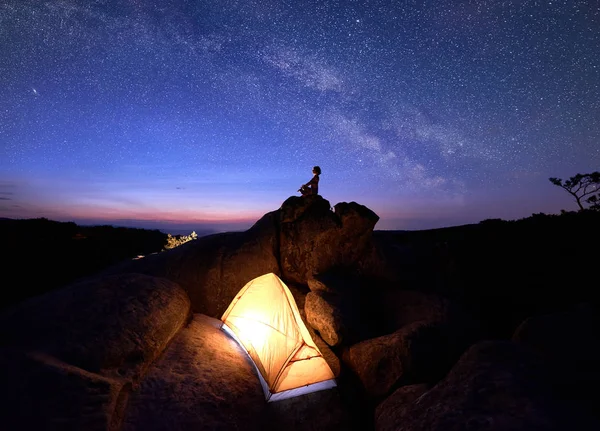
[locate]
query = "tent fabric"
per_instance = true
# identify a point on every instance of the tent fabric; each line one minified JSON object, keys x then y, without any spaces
{"x":266,"y":322}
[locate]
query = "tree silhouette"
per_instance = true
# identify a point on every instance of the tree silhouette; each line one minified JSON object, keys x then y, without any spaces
{"x":580,"y":186}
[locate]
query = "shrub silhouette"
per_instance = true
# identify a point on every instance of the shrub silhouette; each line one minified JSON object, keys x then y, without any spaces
{"x":581,"y":185}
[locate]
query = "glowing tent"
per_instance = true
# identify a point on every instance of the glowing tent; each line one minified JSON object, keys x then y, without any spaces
{"x":264,"y":319}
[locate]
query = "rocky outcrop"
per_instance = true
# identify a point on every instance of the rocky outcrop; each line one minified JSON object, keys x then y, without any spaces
{"x":113,"y":352}
{"x":570,"y":342}
{"x":302,"y":238}
{"x":40,"y":392}
{"x":340,"y":319}
{"x":496,"y":385}
{"x":417,"y":353}
{"x":425,"y":336}
{"x":340,"y":308}
{"x":213,"y":269}
{"x":377,"y":363}
{"x":204,"y":381}
{"x":114,"y":326}
{"x":324,"y":315}
{"x":314,"y":239}
{"x":400,"y":399}
{"x":392,"y":261}
{"x":335,"y":280}
{"x":70,"y":358}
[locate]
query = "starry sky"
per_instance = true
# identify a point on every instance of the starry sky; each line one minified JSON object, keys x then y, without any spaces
{"x":210,"y":113}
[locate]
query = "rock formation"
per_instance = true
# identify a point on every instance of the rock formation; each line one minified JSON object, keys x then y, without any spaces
{"x":301,"y":238}
{"x":203,"y":381}
{"x":139,"y":346}
{"x":314,"y":239}
{"x":112,"y":352}
{"x":79,"y":351}
{"x":569,"y":341}
{"x":213,"y":269}
{"x":496,"y":385}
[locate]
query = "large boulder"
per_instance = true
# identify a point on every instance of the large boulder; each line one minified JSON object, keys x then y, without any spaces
{"x":425,"y":336}
{"x":314,"y":239}
{"x":340,"y":318}
{"x":324,"y":315}
{"x":213,"y":269}
{"x":341,"y":307}
{"x":496,"y":385}
{"x":114,"y":325}
{"x":39,"y":392}
{"x":570,"y":342}
{"x":398,"y":308}
{"x":377,"y":363}
{"x":417,"y":353}
{"x":400,"y":399}
{"x":204,"y":381}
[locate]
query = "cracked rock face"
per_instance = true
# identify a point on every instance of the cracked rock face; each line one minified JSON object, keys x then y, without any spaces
{"x":80,"y":350}
{"x":496,"y":385}
{"x":324,"y":315}
{"x":314,"y":239}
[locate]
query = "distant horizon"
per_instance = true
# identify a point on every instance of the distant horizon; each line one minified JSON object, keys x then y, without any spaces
{"x":416,"y":215}
{"x":208,"y":227}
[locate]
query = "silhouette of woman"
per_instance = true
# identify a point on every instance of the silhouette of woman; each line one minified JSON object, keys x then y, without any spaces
{"x":311,"y":187}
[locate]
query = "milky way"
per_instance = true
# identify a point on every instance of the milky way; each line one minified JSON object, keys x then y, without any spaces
{"x":431,"y":113}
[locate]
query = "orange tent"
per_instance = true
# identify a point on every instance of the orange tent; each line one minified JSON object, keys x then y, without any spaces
{"x":264,"y":319}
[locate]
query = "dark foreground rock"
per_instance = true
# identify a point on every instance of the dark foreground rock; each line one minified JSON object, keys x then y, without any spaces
{"x":114,"y":326}
{"x":570,"y":342}
{"x":318,"y":411}
{"x":39,"y":392}
{"x":70,"y":359}
{"x":340,"y":307}
{"x":417,"y":353}
{"x":204,"y":381}
{"x":496,"y":385}
{"x":400,"y":399}
{"x":425,"y":336}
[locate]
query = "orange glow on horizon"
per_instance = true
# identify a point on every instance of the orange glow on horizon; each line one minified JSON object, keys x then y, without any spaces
{"x":163,"y":216}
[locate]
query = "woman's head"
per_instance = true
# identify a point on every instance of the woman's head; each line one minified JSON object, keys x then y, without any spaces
{"x":317,"y":170}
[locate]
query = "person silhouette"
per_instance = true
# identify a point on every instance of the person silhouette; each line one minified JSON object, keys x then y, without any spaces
{"x":311,"y":187}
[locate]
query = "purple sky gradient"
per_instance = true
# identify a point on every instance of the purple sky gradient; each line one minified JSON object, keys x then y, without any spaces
{"x":207,"y":114}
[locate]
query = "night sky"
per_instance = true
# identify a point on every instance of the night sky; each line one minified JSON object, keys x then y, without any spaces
{"x":212,"y":113}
